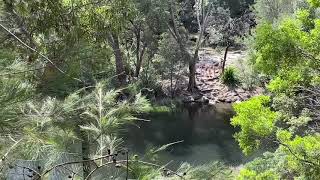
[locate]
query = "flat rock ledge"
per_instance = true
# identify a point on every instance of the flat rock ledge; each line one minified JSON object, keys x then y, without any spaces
{"x":216,"y":96}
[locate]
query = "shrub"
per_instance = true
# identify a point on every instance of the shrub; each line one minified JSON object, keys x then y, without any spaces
{"x":256,"y":120}
{"x":229,"y":76}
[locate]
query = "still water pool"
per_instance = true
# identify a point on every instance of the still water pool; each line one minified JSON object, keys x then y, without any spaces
{"x":205,"y":131}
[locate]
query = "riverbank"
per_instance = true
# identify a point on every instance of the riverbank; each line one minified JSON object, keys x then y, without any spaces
{"x":211,"y":90}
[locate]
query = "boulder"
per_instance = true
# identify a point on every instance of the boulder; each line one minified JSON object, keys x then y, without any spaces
{"x":203,"y":100}
{"x":188,"y":99}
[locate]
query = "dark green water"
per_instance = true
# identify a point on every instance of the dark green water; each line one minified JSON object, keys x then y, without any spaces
{"x":205,"y":131}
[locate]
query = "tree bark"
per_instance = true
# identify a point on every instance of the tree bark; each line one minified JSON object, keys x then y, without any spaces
{"x":225,"y":58}
{"x":202,"y":22}
{"x":85,"y":151}
{"x":140,"y":60}
{"x":192,"y":72}
{"x":171,"y":82}
{"x":113,"y":40}
{"x":138,"y":37}
{"x":139,"y":54}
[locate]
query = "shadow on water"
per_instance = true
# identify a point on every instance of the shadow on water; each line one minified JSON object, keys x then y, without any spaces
{"x":206,"y":132}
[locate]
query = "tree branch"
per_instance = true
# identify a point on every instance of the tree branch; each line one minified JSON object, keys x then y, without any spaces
{"x":34,"y":50}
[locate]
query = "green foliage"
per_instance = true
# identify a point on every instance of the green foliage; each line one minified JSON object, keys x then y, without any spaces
{"x":256,"y":120}
{"x":229,"y":76}
{"x":269,"y":166}
{"x":51,"y":116}
{"x":212,"y":170}
{"x":302,"y":154}
{"x":14,"y":91}
{"x":314,"y":3}
{"x":249,"y":77}
{"x":273,"y":10}
{"x":296,"y":157}
{"x":252,"y":175}
{"x":286,"y":53}
{"x":236,"y":6}
{"x":106,"y":113}
{"x":50,"y":128}
{"x":171,"y":59}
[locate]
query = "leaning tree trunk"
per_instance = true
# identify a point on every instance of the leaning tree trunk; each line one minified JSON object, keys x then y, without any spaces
{"x":225,"y":58}
{"x":113,"y":40}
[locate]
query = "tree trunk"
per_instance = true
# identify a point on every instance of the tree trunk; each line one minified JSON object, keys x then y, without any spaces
{"x":113,"y":40}
{"x":138,"y":35}
{"x":192,"y":72}
{"x":171,"y":83}
{"x":225,"y":58}
{"x":147,"y":74}
{"x":85,"y":152}
{"x":139,"y":58}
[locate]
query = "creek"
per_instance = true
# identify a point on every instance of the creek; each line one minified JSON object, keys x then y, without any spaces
{"x":205,"y":131}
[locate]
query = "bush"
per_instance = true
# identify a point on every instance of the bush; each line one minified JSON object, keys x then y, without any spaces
{"x":229,"y":76}
{"x":256,"y":120}
{"x":248,"y":76}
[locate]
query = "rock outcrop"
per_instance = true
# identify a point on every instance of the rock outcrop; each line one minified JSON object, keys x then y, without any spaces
{"x":210,"y":87}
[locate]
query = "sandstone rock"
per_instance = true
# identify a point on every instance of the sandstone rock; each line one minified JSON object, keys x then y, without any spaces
{"x":207,"y":90}
{"x":240,"y":91}
{"x":204,"y":100}
{"x":232,"y":94}
{"x":212,"y":102}
{"x":188,"y":99}
{"x":222,"y":99}
{"x":229,"y":100}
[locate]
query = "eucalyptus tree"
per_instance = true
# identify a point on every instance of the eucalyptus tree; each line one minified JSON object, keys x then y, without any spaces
{"x":203,"y":9}
{"x":105,"y":21}
{"x":227,"y":31}
{"x":145,"y":31}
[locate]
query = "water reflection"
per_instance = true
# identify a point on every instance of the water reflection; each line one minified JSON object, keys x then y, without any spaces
{"x":206,"y":132}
